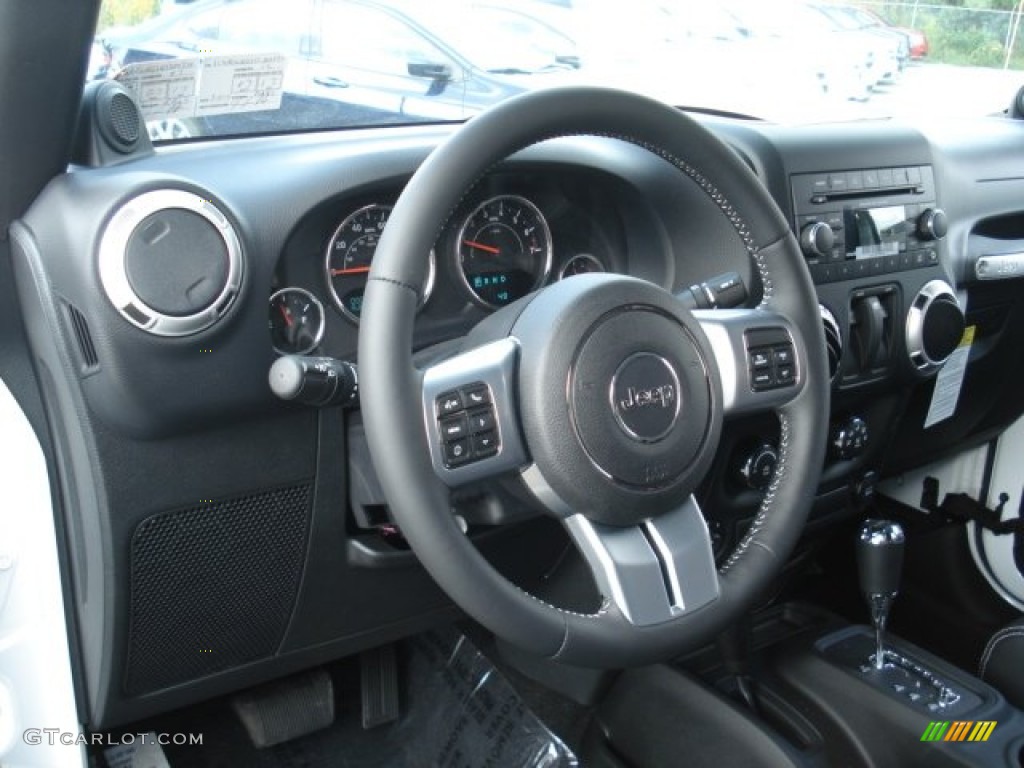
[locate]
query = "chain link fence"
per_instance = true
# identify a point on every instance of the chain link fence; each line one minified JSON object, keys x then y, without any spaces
{"x":964,"y":36}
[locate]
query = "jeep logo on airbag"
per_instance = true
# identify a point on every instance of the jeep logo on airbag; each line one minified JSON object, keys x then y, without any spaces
{"x":645,"y":397}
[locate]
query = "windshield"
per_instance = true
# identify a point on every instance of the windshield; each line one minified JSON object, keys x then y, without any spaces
{"x":206,"y":68}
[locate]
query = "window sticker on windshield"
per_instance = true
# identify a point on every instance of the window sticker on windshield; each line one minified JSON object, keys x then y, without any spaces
{"x":163,"y":88}
{"x":240,"y":83}
{"x":214,"y":85}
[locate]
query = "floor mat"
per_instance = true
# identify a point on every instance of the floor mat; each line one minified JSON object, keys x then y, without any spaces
{"x":458,"y":711}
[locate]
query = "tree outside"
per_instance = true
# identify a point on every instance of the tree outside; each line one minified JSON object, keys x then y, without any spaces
{"x":980,"y":33}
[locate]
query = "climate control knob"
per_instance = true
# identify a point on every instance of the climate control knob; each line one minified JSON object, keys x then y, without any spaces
{"x":757,"y":470}
{"x":932,"y":224}
{"x":817,"y":239}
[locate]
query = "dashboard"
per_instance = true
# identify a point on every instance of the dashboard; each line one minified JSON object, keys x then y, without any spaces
{"x":159,"y":289}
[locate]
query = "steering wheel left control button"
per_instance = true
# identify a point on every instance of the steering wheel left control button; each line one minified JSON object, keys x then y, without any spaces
{"x":454,"y":427}
{"x":469,"y":401}
{"x":467,"y":435}
{"x":457,"y":452}
{"x":476,"y":394}
{"x":449,"y":403}
{"x":485,"y":444}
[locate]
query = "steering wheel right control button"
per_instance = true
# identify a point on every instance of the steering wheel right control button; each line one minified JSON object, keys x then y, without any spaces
{"x":770,"y":359}
{"x":467,"y":436}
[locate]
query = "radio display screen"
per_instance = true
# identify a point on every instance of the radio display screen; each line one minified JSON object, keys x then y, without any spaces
{"x":877,"y":231}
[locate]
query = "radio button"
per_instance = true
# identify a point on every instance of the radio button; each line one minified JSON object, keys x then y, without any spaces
{"x":870,"y":179}
{"x":837,"y":182}
{"x":914,"y":175}
{"x":855,"y":180}
{"x":885,"y":177}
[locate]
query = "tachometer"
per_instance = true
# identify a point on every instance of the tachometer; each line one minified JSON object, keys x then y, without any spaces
{"x":349,"y":254}
{"x":504,"y":250}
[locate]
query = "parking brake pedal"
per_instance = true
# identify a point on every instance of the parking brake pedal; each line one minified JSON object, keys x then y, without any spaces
{"x":286,"y":709}
{"x":379,"y":673}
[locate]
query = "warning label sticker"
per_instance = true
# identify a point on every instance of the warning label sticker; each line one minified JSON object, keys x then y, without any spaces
{"x":949,"y":381}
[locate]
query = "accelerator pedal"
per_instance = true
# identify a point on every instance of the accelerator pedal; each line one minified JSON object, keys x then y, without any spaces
{"x":379,"y":673}
{"x":286,"y":709}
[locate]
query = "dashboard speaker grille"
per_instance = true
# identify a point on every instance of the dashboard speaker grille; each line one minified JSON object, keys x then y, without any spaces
{"x":213,"y":586}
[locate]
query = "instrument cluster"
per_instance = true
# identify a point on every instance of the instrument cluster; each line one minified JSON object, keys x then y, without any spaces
{"x":499,"y":246}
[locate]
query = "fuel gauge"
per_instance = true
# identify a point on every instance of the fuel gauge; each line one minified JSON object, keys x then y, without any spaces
{"x":296,"y":321}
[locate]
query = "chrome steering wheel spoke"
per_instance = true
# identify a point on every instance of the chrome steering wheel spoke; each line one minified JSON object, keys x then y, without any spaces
{"x":652,"y":572}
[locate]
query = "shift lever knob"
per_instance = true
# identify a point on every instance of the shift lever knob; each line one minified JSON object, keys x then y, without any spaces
{"x":880,"y":557}
{"x":879,"y":564}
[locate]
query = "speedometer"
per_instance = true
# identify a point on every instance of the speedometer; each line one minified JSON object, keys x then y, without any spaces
{"x":504,"y":250}
{"x":350,"y":253}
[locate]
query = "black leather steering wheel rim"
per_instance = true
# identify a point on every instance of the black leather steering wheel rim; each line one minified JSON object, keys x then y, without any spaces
{"x":391,"y":385}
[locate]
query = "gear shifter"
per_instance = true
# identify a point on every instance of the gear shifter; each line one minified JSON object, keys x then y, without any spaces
{"x":879,"y":563}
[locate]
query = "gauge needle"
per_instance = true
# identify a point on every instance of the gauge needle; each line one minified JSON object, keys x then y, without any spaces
{"x":350,"y":271}
{"x":287,"y":316}
{"x":482,"y":247}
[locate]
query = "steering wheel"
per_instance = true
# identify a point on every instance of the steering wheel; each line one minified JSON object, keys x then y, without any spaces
{"x":607,"y":398}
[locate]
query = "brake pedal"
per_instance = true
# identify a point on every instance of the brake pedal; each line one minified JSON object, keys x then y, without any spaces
{"x":378,"y":670}
{"x":286,"y":709}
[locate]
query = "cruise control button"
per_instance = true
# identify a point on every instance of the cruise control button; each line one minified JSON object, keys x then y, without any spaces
{"x":481,"y":420}
{"x":783,"y":355}
{"x":760,"y":359}
{"x":457,"y":452}
{"x":454,"y":427}
{"x":449,"y":403}
{"x":485,"y":444}
{"x":476,"y":395}
{"x":762,"y":379}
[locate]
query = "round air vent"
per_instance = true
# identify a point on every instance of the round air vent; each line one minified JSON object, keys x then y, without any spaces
{"x":935,"y":324}
{"x":170,"y":262}
{"x":833,"y":341}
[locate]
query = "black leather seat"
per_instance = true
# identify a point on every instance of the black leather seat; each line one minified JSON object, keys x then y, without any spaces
{"x":1002,"y":662}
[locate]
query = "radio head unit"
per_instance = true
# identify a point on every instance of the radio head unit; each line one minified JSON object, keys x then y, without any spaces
{"x":867,"y":222}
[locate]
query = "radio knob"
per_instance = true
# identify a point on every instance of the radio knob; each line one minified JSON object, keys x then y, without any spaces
{"x":817,"y":239}
{"x":932,"y":224}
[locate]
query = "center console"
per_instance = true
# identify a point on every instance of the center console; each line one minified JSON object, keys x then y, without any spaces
{"x":879,"y":230}
{"x":916,"y":710}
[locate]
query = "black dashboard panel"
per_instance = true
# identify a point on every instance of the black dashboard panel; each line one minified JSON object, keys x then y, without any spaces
{"x":184,"y":430}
